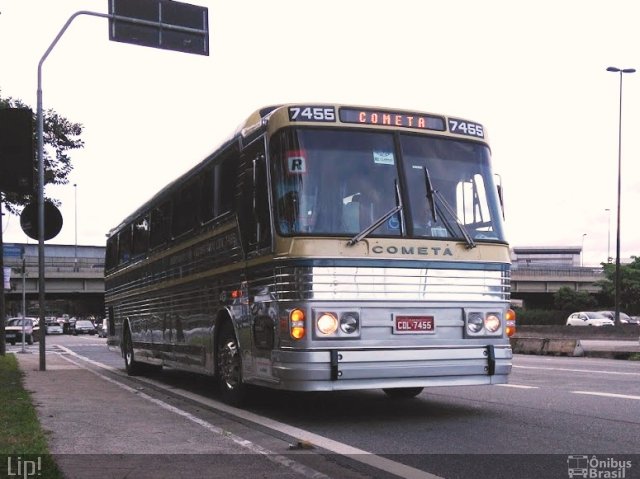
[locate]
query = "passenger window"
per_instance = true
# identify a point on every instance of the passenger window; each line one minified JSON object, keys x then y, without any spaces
{"x":140,"y":236}
{"x":124,"y":245}
{"x":225,"y":184}
{"x":185,"y":208}
{"x":111,"y":256}
{"x":207,"y":196}
{"x":160,"y":223}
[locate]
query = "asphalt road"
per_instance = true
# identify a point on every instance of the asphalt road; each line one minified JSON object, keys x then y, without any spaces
{"x":554,"y":411}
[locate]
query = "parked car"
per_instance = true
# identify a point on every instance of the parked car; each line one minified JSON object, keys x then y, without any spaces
{"x":624,"y":317}
{"x":54,"y":328}
{"x":84,"y":326}
{"x":13,"y":330}
{"x":588,"y":318}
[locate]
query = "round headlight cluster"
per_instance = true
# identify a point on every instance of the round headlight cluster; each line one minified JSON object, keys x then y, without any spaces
{"x":329,"y":326}
{"x":477,"y":322}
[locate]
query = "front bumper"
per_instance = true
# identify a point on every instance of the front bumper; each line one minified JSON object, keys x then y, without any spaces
{"x":343,"y":369}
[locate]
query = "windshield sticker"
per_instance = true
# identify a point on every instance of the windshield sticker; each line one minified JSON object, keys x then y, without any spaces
{"x":394,"y":223}
{"x":383,"y":158}
{"x":296,"y":162}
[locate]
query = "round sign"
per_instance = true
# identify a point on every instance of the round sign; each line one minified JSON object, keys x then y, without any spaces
{"x":52,"y":221}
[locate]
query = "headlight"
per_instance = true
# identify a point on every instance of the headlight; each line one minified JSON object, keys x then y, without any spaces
{"x":492,"y":323}
{"x":475,"y":323}
{"x":349,"y":323}
{"x":327,"y":323}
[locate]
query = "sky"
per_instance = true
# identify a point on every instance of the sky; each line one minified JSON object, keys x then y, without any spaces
{"x":533,"y":73}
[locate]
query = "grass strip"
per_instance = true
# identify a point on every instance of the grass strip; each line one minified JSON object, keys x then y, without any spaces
{"x":22,"y":441}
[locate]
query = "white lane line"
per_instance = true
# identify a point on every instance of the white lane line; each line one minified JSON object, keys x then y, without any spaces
{"x":353,"y":453}
{"x":595,"y":371}
{"x":608,"y":395}
{"x":254,"y":448}
{"x":518,"y":386}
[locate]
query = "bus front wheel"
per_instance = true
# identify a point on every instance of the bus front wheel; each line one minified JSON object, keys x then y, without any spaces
{"x":229,"y":366}
{"x":402,"y":393}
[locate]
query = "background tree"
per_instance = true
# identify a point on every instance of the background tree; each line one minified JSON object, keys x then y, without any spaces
{"x":629,"y":285}
{"x":60,"y":136}
{"x":566,"y":299}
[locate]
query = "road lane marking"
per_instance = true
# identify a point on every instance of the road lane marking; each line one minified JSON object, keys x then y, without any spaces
{"x":619,"y":373}
{"x":608,"y":395}
{"x":359,"y":455}
{"x":518,"y":386}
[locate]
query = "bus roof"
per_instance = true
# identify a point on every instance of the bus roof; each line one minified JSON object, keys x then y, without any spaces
{"x":273,"y":117}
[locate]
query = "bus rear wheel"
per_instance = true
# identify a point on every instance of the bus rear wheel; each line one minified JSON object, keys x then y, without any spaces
{"x":402,"y":393}
{"x":229,"y":366}
{"x":133,"y":367}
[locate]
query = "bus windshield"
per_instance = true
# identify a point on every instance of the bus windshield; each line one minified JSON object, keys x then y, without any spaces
{"x":330,"y":182}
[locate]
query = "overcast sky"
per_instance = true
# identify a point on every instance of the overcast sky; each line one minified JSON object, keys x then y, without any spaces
{"x":534,"y":73}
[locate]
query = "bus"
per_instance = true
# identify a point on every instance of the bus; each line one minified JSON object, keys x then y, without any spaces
{"x":322,"y":247}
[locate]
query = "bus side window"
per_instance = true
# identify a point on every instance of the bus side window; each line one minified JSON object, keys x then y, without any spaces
{"x":185,"y":208}
{"x":225,"y":180}
{"x":254,"y":215}
{"x":261,"y":202}
{"x":140,"y":236}
{"x":207,"y":196}
{"x":111,"y":256}
{"x":124,"y":245}
{"x":160,"y":222}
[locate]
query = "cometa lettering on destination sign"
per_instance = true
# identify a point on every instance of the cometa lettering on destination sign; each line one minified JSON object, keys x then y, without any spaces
{"x":410,"y":250}
{"x":388,"y":118}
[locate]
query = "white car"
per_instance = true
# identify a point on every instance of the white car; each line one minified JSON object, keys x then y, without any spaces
{"x":588,"y":318}
{"x":54,"y":328}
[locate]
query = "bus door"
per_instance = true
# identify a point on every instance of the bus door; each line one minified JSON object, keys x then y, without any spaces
{"x":257,"y":240}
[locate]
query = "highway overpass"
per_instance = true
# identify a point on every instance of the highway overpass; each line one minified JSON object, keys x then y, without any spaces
{"x":74,"y":279}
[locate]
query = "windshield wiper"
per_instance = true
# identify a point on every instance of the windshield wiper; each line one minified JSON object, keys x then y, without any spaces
{"x":432,"y":196}
{"x":430,"y":193}
{"x":381,"y":220}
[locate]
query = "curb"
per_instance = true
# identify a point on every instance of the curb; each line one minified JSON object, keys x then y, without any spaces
{"x":564,"y":347}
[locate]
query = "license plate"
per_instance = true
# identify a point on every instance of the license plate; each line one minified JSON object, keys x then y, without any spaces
{"x":10,"y":335}
{"x":414,"y":325}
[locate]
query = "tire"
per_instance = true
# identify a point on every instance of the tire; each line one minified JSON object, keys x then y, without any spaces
{"x":29,"y":340}
{"x":402,"y":393}
{"x":133,"y":367}
{"x":229,"y":366}
{"x":13,"y":343}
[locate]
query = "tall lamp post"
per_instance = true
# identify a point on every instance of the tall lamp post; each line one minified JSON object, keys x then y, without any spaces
{"x":620,"y":71}
{"x":75,"y":223}
{"x":582,"y":250}
{"x":609,"y":236}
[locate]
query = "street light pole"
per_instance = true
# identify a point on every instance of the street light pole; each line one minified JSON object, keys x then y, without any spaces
{"x":609,"y":236}
{"x":582,"y":250}
{"x":75,"y":222}
{"x":617,"y":286}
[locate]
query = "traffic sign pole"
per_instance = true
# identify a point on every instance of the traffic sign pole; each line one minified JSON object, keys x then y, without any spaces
{"x":40,"y":133}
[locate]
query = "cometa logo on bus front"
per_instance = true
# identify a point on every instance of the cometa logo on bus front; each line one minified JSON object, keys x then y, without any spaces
{"x":411,"y":250}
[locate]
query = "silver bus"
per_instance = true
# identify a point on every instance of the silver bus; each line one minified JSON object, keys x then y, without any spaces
{"x":321,"y":247}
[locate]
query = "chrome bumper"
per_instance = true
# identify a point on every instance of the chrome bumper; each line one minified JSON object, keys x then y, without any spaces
{"x":342,"y":369}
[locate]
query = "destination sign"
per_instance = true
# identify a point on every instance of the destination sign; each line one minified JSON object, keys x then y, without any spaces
{"x":392,"y":118}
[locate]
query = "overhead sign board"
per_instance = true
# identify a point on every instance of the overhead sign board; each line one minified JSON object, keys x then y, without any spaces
{"x":12,"y":251}
{"x":160,"y":24}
